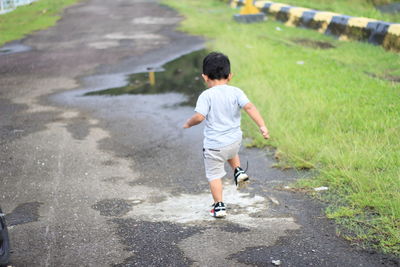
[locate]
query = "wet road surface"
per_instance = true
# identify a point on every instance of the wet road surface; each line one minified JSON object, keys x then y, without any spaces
{"x":114,"y":180}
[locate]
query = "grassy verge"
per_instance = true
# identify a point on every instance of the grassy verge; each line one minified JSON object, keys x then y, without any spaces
{"x":334,"y":110}
{"x":26,"y":19}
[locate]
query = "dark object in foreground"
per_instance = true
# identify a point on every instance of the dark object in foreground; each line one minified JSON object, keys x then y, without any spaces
{"x":249,"y":18}
{"x":4,"y":241}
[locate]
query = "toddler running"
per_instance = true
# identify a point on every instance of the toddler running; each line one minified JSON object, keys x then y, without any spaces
{"x":220,"y":107}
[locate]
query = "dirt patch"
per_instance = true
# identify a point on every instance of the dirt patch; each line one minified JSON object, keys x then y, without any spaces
{"x":314,"y":44}
{"x":386,"y":77}
{"x":112,"y":207}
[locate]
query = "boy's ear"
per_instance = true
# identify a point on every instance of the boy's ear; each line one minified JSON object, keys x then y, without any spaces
{"x":230,"y":76}
{"x":205,"y":77}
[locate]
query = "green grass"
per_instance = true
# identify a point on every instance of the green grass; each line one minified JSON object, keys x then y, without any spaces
{"x":26,"y":19}
{"x":328,"y":113}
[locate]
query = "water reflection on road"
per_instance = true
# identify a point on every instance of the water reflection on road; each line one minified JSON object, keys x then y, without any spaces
{"x":182,"y":75}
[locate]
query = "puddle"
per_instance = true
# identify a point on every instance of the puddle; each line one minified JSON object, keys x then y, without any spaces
{"x":154,"y":243}
{"x":112,"y":207}
{"x":156,"y":20}
{"x":245,"y":210}
{"x":24,"y":213}
{"x":182,"y":75}
{"x":13,"y":48}
{"x":314,"y":44}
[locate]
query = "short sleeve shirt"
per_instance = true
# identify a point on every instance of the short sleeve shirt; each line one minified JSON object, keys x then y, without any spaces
{"x":221,"y":105}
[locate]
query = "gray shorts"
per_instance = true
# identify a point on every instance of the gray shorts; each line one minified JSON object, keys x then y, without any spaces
{"x":214,"y":159}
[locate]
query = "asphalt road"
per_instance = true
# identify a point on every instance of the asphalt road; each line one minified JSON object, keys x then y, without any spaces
{"x":115,"y":181}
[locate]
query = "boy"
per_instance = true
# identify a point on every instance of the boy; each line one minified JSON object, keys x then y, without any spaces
{"x":220,"y":106}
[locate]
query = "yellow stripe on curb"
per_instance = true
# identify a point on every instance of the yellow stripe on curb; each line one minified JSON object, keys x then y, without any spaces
{"x":394,"y":29}
{"x":298,"y":11}
{"x":234,"y":3}
{"x":294,"y":14}
{"x":325,"y":18}
{"x":276,"y":7}
{"x":359,"y":22}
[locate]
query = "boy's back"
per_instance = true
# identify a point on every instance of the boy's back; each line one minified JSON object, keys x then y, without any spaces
{"x":221,"y":106}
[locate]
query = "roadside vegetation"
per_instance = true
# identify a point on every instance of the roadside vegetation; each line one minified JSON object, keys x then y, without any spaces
{"x":331,"y":106}
{"x":26,"y":19}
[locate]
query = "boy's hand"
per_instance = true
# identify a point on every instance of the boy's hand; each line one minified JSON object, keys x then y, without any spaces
{"x":264,"y":132}
{"x":186,"y":125}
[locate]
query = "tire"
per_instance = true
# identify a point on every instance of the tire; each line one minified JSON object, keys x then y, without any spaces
{"x":4,"y":242}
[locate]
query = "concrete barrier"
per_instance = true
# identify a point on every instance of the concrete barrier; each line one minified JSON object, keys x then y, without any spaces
{"x":344,"y":27}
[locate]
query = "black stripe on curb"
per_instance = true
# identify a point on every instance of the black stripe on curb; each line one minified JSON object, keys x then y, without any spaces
{"x":378,"y":31}
{"x":338,"y":25}
{"x":307,"y":20}
{"x":283,"y":14}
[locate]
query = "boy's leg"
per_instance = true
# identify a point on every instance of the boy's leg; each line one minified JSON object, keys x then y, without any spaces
{"x":216,"y":190}
{"x":214,"y":166}
{"x":218,"y":208}
{"x":234,"y":162}
{"x":241,"y":178}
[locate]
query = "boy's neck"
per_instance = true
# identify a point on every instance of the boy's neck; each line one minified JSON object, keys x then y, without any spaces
{"x":212,"y":83}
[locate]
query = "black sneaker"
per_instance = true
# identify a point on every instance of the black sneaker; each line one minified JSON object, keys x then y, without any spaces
{"x":241,"y":178}
{"x":218,"y":210}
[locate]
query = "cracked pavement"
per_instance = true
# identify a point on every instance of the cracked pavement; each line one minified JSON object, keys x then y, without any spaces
{"x":115,"y":181}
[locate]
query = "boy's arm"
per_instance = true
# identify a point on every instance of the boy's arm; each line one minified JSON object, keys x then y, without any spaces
{"x":194,"y":120}
{"x":256,"y":117}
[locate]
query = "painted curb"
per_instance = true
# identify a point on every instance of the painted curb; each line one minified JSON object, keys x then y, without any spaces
{"x":345,"y":27}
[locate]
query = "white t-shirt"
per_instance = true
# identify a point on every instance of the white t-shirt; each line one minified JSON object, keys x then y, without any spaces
{"x":221,"y":105}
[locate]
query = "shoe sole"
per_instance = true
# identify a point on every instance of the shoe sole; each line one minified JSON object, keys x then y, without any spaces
{"x":220,"y":214}
{"x":242,"y":183}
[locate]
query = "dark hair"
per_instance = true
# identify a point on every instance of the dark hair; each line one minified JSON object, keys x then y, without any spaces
{"x":216,"y":66}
